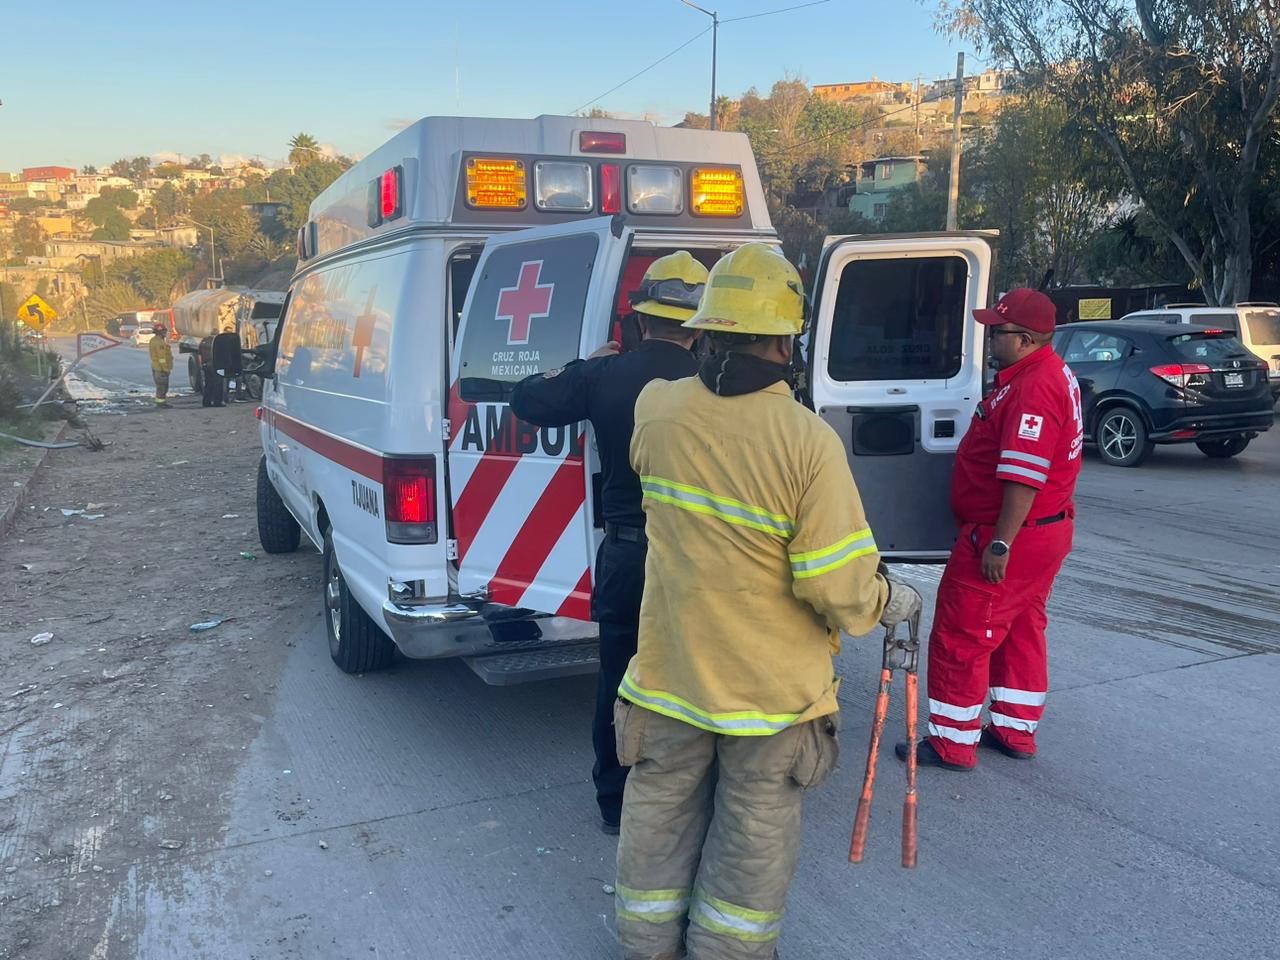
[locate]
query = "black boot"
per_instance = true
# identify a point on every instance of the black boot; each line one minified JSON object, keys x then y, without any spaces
{"x":927,"y":756}
{"x":992,"y":741}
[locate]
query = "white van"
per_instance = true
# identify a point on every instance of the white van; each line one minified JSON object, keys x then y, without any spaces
{"x":466,"y":254}
{"x":1256,"y":325}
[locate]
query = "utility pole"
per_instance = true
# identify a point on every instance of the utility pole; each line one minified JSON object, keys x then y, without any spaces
{"x":919,"y":83}
{"x":715,"y":32}
{"x":953,"y":194}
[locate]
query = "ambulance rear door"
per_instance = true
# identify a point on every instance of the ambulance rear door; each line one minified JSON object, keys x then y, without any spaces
{"x":895,"y":366}
{"x":522,"y":514}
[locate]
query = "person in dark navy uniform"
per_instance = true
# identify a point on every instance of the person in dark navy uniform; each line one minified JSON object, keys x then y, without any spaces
{"x":603,"y":389}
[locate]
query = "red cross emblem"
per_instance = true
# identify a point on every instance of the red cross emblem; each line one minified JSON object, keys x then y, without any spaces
{"x":1031,"y":423}
{"x":524,"y":302}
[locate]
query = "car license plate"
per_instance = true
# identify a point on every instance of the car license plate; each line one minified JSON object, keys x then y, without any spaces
{"x":1235,"y":379}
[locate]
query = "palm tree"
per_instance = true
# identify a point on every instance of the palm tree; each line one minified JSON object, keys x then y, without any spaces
{"x":303,"y":149}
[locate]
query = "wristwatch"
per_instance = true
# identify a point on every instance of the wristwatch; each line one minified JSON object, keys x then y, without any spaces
{"x":999,"y":548}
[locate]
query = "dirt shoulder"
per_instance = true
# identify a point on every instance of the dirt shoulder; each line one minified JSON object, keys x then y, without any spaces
{"x":119,"y":735}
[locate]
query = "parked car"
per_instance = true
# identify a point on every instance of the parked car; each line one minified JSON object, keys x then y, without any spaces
{"x":142,"y":336}
{"x":1143,"y":383}
{"x":1256,"y":325}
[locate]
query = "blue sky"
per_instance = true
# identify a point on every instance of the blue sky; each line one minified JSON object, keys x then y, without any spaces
{"x":239,"y":77}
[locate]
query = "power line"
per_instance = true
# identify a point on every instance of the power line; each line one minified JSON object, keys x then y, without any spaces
{"x":770,"y":13}
{"x":668,"y":56}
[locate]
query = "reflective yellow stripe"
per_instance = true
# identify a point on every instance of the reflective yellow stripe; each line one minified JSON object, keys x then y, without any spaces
{"x":651,"y":906}
{"x":731,"y":920}
{"x":744,"y":723}
{"x":698,"y":500}
{"x":817,"y":562}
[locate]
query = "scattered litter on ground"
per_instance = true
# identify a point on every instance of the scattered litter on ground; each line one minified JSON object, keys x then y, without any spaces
{"x":170,"y":844}
{"x":268,"y":873}
{"x":286,"y":771}
{"x":248,"y":555}
{"x":64,"y":445}
{"x":204,"y":625}
{"x":97,"y":506}
{"x":67,"y":512}
{"x":18,"y":693}
{"x":25,"y":566}
{"x":323,"y":845}
{"x":40,"y":639}
{"x":92,"y":516}
{"x":166,"y":797}
{"x":178,"y":463}
{"x":56,"y":706}
{"x":609,"y":889}
{"x":96,"y":868}
{"x":231,"y":516}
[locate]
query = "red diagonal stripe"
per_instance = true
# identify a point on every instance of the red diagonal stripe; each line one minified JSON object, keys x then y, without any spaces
{"x":578,"y":604}
{"x":482,"y":491}
{"x":539,"y":534}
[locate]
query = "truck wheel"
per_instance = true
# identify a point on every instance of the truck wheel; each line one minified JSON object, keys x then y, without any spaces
{"x":1122,"y":437}
{"x":195,"y":376}
{"x":356,"y":643}
{"x":278,"y":531}
{"x":1222,"y":449}
{"x":253,"y":386}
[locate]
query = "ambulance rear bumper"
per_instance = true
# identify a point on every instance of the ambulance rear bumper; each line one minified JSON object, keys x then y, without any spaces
{"x":460,"y":629}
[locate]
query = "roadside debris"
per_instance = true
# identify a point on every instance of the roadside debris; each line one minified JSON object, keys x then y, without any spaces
{"x":40,"y":639}
{"x":609,"y":889}
{"x":67,"y":512}
{"x":323,"y":845}
{"x":231,"y":516}
{"x":248,"y":555}
{"x":204,"y":625}
{"x":171,"y":844}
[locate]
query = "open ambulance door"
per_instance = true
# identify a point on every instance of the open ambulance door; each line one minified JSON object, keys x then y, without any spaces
{"x":522,"y":514}
{"x":896,"y":367}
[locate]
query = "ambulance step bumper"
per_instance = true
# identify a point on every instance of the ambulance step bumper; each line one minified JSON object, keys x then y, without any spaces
{"x":546,"y":663}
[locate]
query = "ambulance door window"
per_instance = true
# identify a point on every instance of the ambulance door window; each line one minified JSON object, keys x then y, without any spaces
{"x":899,"y":319}
{"x":462,"y":268}
{"x":525,"y":314}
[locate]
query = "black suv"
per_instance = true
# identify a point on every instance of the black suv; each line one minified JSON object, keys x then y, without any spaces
{"x":1143,"y":384}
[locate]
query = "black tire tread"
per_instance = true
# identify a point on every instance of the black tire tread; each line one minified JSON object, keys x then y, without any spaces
{"x":364,"y":648}
{"x":278,"y":531}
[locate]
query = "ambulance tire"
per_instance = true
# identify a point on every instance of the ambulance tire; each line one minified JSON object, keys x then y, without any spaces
{"x":278,"y":531}
{"x":1122,"y":437}
{"x":195,"y":376}
{"x":356,"y":643}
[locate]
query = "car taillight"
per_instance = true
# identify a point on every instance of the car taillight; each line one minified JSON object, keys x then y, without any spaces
{"x":610,"y":188}
{"x":409,"y":498}
{"x":1180,"y":374}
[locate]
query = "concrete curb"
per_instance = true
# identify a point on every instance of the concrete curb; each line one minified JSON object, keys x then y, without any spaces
{"x":10,"y":516}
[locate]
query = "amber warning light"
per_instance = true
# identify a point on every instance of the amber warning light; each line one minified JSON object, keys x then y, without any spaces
{"x":494,"y":182}
{"x":717,"y":192}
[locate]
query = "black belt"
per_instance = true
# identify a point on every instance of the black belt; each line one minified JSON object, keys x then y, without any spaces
{"x":625,"y":534}
{"x":1045,"y":521}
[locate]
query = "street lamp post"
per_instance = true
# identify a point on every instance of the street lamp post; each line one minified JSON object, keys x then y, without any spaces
{"x":213,"y":250}
{"x":715,"y":31}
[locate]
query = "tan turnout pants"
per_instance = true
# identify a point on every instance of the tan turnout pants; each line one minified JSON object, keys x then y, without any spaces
{"x":710,"y":834}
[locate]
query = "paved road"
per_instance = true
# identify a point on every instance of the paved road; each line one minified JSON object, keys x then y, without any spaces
{"x":118,"y":373}
{"x":457,"y":818}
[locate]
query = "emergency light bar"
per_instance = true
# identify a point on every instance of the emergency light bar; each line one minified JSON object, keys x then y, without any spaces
{"x":655,"y":189}
{"x":717,"y":192}
{"x":562,"y":186}
{"x":494,"y":182}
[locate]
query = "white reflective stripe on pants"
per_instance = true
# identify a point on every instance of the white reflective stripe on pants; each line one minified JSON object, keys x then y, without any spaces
{"x":952,"y":712}
{"x":1014,"y":723}
{"x":953,"y":734}
{"x":1026,"y":698}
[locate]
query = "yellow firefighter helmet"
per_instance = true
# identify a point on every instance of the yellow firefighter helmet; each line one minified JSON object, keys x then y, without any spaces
{"x":671,"y":288}
{"x":753,"y":290}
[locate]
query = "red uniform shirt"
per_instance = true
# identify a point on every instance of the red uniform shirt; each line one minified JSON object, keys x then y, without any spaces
{"x":1028,"y":430}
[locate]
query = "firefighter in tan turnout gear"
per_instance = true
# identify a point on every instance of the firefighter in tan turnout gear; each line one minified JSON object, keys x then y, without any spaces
{"x":759,"y":554}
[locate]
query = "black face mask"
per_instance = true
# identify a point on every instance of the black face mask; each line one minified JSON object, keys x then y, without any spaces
{"x":731,"y":374}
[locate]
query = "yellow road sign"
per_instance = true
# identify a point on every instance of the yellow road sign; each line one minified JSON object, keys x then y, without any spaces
{"x":37,"y":314}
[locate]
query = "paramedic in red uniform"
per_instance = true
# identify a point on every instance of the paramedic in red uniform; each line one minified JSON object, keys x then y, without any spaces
{"x":1011,"y":493}
{"x":603,"y":389}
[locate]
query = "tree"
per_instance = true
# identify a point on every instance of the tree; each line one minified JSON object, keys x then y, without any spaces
{"x":100,"y":207}
{"x":28,"y":238}
{"x":120,"y":197}
{"x":111,"y":299}
{"x":168,"y":204}
{"x":88,"y":170}
{"x":1182,"y":93}
{"x":298,"y":188}
{"x":139,"y":168}
{"x":202,"y":162}
{"x":168,"y":171}
{"x":121,"y":168}
{"x":115,"y":226}
{"x":25,"y":204}
{"x":304,"y":149}
{"x":158,"y":277}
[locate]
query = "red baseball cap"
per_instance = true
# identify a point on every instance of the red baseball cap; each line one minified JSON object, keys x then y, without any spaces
{"x":1022,"y":307}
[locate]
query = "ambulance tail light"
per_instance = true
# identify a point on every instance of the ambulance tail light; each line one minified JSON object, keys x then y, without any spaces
{"x":1181,"y":375}
{"x":496,"y":183}
{"x":717,"y":192}
{"x":409,"y":499}
{"x":610,"y":188}
{"x":386,"y":196}
{"x":597,"y":141}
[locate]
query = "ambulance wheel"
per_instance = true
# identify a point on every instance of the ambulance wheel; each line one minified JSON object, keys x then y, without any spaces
{"x":356,"y":643}
{"x":195,"y":376}
{"x":278,"y":531}
{"x":1122,"y":437}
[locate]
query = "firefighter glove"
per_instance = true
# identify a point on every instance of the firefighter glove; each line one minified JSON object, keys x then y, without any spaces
{"x":904,"y":604}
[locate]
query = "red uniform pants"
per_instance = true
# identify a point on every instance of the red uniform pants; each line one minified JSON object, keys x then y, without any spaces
{"x":989,"y":638}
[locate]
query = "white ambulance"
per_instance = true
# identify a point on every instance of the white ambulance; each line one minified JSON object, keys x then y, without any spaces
{"x":466,"y":254}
